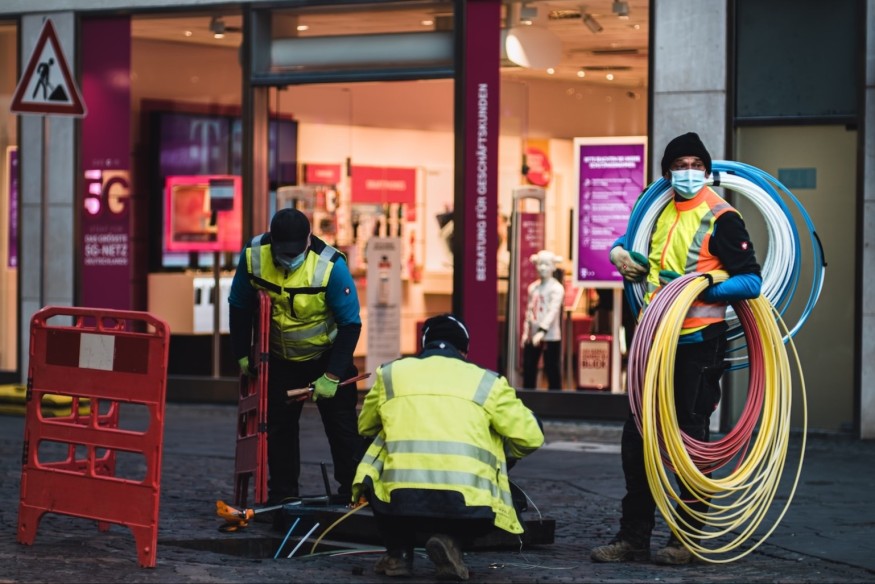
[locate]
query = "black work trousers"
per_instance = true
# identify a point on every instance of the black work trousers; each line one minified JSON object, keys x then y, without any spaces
{"x":339,"y":418}
{"x":698,"y":368}
{"x":401,"y":534}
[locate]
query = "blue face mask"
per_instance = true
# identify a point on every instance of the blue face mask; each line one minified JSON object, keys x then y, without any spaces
{"x":292,"y":263}
{"x":687,"y":182}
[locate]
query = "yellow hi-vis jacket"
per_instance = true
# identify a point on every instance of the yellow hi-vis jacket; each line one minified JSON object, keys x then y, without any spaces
{"x":301,"y":325}
{"x":680,"y":243}
{"x":442,"y":425}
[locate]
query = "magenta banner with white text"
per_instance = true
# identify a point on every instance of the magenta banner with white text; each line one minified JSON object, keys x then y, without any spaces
{"x":106,"y":268}
{"x":480,"y":165}
{"x":610,"y":180}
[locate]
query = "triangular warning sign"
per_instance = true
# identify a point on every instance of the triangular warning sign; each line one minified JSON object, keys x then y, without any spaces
{"x":47,"y":86}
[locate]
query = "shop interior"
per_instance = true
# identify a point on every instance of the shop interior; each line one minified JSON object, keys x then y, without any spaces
{"x":328,"y":138}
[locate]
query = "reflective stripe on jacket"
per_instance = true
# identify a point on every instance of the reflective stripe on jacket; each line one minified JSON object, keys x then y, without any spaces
{"x":301,"y":326}
{"x":441,"y":425}
{"x":680,"y":244}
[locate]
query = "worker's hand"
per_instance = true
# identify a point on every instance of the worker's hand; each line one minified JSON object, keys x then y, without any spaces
{"x":523,"y":341}
{"x":325,"y":387}
{"x":538,"y":337}
{"x":628,"y":264}
{"x":245,"y":369}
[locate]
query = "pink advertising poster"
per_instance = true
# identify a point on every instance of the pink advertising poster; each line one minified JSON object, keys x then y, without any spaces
{"x":610,"y":177}
{"x":12,"y":175}
{"x":203,"y":213}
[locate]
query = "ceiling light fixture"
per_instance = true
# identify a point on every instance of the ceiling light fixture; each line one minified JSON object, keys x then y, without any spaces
{"x":550,"y":70}
{"x":302,"y":27}
{"x":591,"y":23}
{"x":528,"y":14}
{"x":217,"y":26}
{"x":621,"y":9}
{"x":581,"y":73}
{"x":534,"y":47}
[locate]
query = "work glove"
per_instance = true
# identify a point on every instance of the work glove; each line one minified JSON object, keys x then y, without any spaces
{"x":245,"y":369}
{"x":538,"y":337}
{"x":632,"y":266}
{"x":325,"y":387}
{"x":666,"y":276}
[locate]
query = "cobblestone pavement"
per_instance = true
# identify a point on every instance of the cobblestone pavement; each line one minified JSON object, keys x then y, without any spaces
{"x":576,"y":480}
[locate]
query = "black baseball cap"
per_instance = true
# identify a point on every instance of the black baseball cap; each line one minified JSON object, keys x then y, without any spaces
{"x":289,"y":232}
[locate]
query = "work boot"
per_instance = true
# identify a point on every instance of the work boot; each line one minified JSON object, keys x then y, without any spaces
{"x":395,"y":564}
{"x":673,"y":554}
{"x":620,"y":550}
{"x":444,"y":551}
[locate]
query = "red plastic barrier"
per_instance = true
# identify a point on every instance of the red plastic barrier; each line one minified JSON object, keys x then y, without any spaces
{"x":251,"y":456}
{"x":100,"y":358}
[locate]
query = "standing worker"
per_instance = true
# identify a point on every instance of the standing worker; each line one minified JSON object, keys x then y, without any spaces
{"x":314,"y":328}
{"x":438,"y":465}
{"x":698,"y":231}
{"x":541,"y":330}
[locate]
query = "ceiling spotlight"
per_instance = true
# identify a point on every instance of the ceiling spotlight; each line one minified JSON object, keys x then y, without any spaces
{"x":217,"y":26}
{"x":528,"y":14}
{"x":609,"y":76}
{"x":581,"y":73}
{"x":551,"y":71}
{"x":591,"y":23}
{"x":621,"y":8}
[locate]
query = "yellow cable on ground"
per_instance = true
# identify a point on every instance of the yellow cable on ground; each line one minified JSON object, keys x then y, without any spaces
{"x":332,"y":526}
{"x":739,"y":501}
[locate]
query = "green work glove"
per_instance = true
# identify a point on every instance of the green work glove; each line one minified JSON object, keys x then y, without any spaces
{"x":325,"y":387}
{"x":666,"y":276}
{"x":244,"y":367}
{"x":639,"y":258}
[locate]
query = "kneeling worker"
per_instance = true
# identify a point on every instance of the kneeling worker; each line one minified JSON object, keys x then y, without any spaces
{"x":437,"y":465}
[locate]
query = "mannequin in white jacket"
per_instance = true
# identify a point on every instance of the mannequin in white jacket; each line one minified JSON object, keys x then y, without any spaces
{"x":541,"y":330}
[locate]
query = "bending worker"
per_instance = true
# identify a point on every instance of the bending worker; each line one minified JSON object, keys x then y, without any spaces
{"x":314,"y":328}
{"x":437,"y":465}
{"x":697,"y":231}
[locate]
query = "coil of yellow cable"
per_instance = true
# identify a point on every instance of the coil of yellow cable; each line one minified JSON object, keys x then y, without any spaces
{"x":740,"y":500}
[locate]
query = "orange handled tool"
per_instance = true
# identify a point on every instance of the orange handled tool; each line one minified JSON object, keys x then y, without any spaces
{"x":303,"y":393}
{"x":238,"y":518}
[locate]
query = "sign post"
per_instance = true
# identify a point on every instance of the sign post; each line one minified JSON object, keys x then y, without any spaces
{"x":47,"y":88}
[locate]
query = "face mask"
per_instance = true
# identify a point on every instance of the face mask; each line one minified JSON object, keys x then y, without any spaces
{"x":292,"y":263}
{"x":687,"y":182}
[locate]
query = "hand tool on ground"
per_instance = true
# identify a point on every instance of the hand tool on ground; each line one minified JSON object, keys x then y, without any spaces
{"x":238,"y":518}
{"x":302,"y":393}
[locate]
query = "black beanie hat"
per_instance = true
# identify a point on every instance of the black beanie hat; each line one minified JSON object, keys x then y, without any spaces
{"x":289,"y":230}
{"x":446,"y":327}
{"x":687,"y":144}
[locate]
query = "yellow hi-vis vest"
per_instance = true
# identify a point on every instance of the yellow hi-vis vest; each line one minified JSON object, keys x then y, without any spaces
{"x":443,"y":423}
{"x":680,"y":243}
{"x":301,"y":325}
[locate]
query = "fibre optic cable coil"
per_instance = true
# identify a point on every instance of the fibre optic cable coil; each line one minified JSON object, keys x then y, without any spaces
{"x":783,"y":260}
{"x":740,"y":474}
